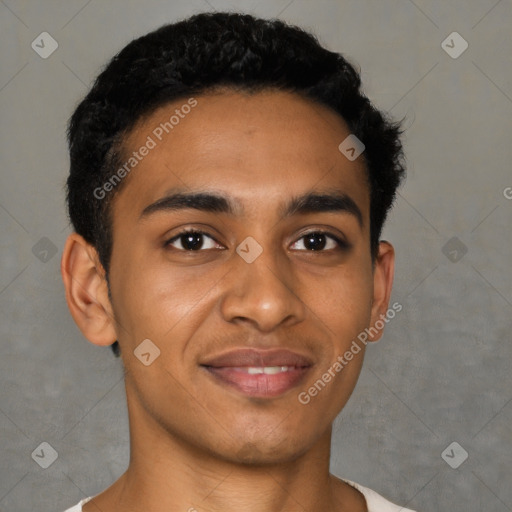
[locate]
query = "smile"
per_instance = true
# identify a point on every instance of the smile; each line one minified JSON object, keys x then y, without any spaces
{"x":259,"y":381}
{"x":269,"y":370}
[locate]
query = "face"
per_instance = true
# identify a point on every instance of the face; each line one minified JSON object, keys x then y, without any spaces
{"x":250,"y":290}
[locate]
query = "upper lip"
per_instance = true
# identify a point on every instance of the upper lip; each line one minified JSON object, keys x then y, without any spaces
{"x":258,"y":358}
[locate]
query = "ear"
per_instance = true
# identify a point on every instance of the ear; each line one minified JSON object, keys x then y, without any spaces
{"x":87,"y":291}
{"x":382,"y":283}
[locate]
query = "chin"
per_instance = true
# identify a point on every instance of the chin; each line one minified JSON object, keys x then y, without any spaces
{"x":266,"y":452}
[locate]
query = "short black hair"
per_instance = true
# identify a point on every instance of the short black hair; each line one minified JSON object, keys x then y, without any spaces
{"x":201,"y":54}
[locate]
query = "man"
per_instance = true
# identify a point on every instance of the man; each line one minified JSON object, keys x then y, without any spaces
{"x":228,"y":186}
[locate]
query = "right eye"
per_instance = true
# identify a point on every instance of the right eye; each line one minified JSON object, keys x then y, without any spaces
{"x":191,"y":241}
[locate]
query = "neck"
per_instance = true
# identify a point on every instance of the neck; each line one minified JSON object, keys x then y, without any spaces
{"x":168,"y":473}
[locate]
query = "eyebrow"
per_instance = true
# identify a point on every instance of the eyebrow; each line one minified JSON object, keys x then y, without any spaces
{"x":331,"y":202}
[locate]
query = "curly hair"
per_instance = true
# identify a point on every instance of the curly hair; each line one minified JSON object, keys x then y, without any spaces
{"x":203,"y":53}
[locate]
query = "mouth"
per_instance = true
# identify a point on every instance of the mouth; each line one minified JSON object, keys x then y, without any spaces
{"x":259,"y":373}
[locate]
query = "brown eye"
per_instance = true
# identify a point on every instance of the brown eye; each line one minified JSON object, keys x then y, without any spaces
{"x":192,"y":241}
{"x":321,"y":241}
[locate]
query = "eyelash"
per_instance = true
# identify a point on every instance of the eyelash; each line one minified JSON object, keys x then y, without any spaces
{"x":342,"y":245}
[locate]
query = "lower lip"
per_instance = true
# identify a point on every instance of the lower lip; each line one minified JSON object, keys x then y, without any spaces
{"x":259,"y":385}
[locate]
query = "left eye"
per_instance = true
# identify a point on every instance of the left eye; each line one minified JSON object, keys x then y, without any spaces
{"x":319,"y":241}
{"x":192,"y":241}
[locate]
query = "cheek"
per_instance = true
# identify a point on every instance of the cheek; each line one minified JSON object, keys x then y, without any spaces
{"x":343,"y":305}
{"x":343,"y":302}
{"x":151,"y":299}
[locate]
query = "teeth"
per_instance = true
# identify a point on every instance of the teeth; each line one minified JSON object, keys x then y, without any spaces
{"x":269,"y":370}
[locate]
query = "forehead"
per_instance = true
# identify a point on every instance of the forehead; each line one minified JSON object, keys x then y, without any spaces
{"x":258,"y":148}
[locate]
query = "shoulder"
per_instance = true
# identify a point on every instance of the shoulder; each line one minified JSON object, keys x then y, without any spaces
{"x":78,"y":506}
{"x":375,"y":502}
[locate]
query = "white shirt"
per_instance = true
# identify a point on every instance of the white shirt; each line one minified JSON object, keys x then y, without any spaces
{"x":374,"y":501}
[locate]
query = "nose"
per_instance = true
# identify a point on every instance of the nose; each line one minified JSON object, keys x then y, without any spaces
{"x":263,"y":293}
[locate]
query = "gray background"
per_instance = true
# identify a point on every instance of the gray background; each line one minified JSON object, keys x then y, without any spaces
{"x":442,"y":372}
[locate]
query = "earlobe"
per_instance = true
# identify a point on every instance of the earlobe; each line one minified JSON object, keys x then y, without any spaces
{"x":87,"y":291}
{"x":382,"y":284}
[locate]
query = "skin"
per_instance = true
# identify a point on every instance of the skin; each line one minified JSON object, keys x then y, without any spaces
{"x":197,"y":444}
